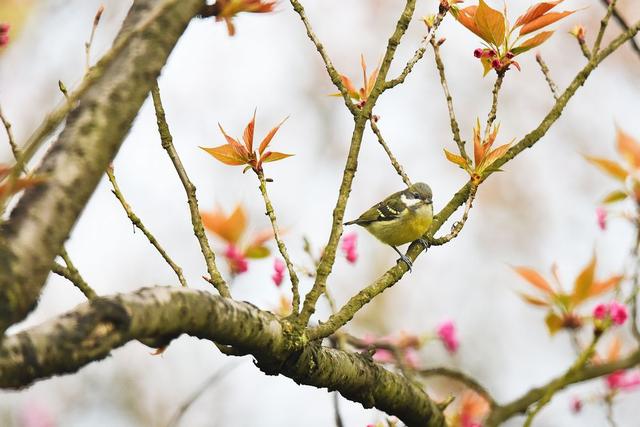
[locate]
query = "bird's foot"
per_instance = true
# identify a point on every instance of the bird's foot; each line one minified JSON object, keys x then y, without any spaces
{"x":424,"y":243}
{"x":406,"y":261}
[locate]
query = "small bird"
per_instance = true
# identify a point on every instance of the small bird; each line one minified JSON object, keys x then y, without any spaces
{"x":401,"y":218}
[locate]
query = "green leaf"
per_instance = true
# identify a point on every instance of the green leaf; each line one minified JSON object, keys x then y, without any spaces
{"x":615,"y":196}
{"x":582,"y":285}
{"x":553,"y":322}
{"x":257,"y":252}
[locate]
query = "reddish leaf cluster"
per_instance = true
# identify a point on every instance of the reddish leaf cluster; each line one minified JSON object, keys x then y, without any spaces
{"x":360,"y":95}
{"x":494,"y":29}
{"x":483,"y":155}
{"x":562,"y":305}
{"x":236,"y":154}
{"x":228,"y":9}
{"x":627,"y":173}
{"x":231,"y":229}
{"x":470,"y":410}
{"x":10,"y":186}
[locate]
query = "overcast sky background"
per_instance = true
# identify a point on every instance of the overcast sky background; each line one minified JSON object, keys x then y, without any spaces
{"x":540,"y":210}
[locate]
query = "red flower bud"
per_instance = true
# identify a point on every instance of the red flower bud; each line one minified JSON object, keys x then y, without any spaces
{"x":496,"y":64}
{"x":509,"y":55}
{"x":4,"y":27}
{"x":4,"y":39}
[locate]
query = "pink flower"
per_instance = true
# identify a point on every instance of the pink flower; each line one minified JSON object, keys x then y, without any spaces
{"x":349,"y":247}
{"x":4,"y":34}
{"x":237,"y":260}
{"x":447,"y":334}
{"x":576,"y":405}
{"x":601,"y":311}
{"x":36,"y":415}
{"x":383,"y":356}
{"x":278,"y":271}
{"x":601,"y":215}
{"x":623,"y":380}
{"x":618,"y":312}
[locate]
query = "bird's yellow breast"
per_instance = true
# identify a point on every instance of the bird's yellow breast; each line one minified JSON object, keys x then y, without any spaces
{"x":409,"y":226}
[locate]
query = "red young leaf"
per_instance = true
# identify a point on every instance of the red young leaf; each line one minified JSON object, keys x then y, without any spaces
{"x":247,"y":137}
{"x":273,"y":156}
{"x":535,"y":279}
{"x":534,"y":41}
{"x":267,"y":139}
{"x":466,"y":17}
{"x":240,"y":150}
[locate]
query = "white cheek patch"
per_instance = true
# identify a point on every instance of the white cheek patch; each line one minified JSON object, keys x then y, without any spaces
{"x":409,"y":202}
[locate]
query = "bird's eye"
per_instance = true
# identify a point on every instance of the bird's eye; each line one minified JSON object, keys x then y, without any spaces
{"x":416,"y":195}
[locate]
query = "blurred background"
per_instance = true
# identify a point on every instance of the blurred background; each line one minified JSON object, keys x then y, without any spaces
{"x":540,"y":210}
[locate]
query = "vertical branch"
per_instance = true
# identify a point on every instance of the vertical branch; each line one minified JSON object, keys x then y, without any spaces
{"x":547,"y":76}
{"x":87,"y":45}
{"x":494,"y":103}
{"x":394,"y":162}
{"x":455,"y":129}
{"x":625,"y":26}
{"x":12,"y":141}
{"x":281,"y":246}
{"x":137,"y":222}
{"x":635,"y":280}
{"x":603,"y":26}
{"x":167,"y":143}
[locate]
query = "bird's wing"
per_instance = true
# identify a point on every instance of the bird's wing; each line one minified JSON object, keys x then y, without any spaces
{"x":387,"y":210}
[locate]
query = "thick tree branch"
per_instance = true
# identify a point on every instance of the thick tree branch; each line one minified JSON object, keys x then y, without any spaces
{"x":44,"y":216}
{"x":92,"y":330}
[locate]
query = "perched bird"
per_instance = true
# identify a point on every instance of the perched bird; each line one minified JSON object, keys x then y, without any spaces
{"x":400,"y":218}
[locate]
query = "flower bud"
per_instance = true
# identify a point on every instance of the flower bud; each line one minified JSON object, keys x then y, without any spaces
{"x":478,"y":53}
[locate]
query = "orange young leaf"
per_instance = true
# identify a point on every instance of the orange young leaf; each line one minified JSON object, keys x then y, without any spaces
{"x":478,"y":149}
{"x":583,"y":283}
{"x":351,"y":89}
{"x":9,"y":188}
{"x":225,"y":154}
{"x":536,"y":11}
{"x":601,"y":287}
{"x":543,"y":21}
{"x":610,"y":167}
{"x":466,"y":17}
{"x":553,"y":322}
{"x":247,"y":136}
{"x":230,"y":228}
{"x":495,"y":155}
{"x":615,"y":196}
{"x":274,"y":156}
{"x":534,"y":41}
{"x":628,"y":147}
{"x":535,"y":279}
{"x":267,"y":139}
{"x":454,"y":158}
{"x":613,"y":352}
{"x":240,"y":150}
{"x":490,"y":24}
{"x":538,"y":302}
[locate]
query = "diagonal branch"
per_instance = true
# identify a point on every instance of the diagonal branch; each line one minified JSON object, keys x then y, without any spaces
{"x":92,"y":330}
{"x":394,"y":162}
{"x":625,"y":26}
{"x":215,"y":277}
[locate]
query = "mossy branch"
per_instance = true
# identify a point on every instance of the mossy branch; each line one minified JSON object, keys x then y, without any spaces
{"x":604,"y":23}
{"x":71,"y":273}
{"x":394,"y":162}
{"x":547,"y":76}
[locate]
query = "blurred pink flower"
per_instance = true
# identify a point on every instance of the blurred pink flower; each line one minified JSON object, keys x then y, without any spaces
{"x":601,"y":215}
{"x":576,"y":405}
{"x":623,"y":380}
{"x":278,"y":271}
{"x":447,"y":334}
{"x":618,"y":312}
{"x":601,"y":311}
{"x":237,"y":261}
{"x":4,"y":34}
{"x":383,"y":356}
{"x":349,"y":247}
{"x":36,"y":415}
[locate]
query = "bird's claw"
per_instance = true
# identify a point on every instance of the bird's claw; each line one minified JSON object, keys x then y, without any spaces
{"x":424,"y":243}
{"x":406,"y":261}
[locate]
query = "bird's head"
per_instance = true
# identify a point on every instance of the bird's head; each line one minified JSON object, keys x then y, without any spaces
{"x":418,"y":192}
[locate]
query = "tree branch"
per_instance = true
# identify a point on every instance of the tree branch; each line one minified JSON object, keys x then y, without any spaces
{"x":394,"y":162}
{"x":215,"y":278}
{"x":461,"y":377}
{"x":623,"y":23}
{"x":45,"y":214}
{"x":547,"y":76}
{"x":90,"y":331}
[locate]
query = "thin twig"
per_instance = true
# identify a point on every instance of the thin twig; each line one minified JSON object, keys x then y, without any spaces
{"x":336,"y":409}
{"x":582,"y":360}
{"x":584,"y":48}
{"x":455,"y":128}
{"x":494,"y":103}
{"x":87,"y":45}
{"x":547,"y":76}
{"x":167,"y":143}
{"x":625,"y":26}
{"x":457,"y":226}
{"x":442,"y":12}
{"x":603,"y":26}
{"x":394,"y":162}
{"x":71,"y":273}
{"x":137,"y":222}
{"x":215,"y":378}
{"x":635,"y":280}
{"x":12,"y":142}
{"x":281,"y":246}
{"x":461,"y":377}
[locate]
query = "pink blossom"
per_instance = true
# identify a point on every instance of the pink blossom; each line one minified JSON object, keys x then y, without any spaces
{"x":623,"y":380}
{"x":237,"y":260}
{"x":447,"y":334}
{"x":601,"y":311}
{"x":618,"y":312}
{"x":4,"y":34}
{"x":576,"y":405}
{"x":36,"y":415}
{"x":278,"y":271}
{"x":601,"y":215}
{"x":349,"y":247}
{"x":383,"y":356}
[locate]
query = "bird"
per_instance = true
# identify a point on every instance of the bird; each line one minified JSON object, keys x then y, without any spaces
{"x":402,"y":217}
